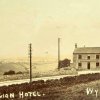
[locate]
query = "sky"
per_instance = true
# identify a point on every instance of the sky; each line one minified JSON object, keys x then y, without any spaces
{"x":41,"y":22}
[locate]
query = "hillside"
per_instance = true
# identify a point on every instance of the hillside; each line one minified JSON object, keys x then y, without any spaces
{"x":4,"y":67}
{"x":40,"y":64}
{"x":24,"y":67}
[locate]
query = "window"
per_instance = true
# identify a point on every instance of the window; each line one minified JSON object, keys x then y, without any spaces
{"x":97,"y":56}
{"x":88,"y":57}
{"x":97,"y":64}
{"x":79,"y":64}
{"x":80,"y":57}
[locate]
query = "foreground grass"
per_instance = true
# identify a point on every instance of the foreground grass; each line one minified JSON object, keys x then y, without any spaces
{"x":74,"y":92}
{"x":68,"y":88}
{"x":78,"y":92}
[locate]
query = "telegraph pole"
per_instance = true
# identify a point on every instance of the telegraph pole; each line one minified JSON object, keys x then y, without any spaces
{"x":30,"y":58}
{"x":58,"y":53}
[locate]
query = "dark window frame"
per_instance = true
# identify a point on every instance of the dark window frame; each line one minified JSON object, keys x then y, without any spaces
{"x":79,"y":56}
{"x":88,"y":57}
{"x":97,"y":64}
{"x":80,"y":64}
{"x":97,"y":57}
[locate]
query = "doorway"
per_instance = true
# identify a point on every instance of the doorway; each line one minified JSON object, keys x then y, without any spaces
{"x":88,"y":65}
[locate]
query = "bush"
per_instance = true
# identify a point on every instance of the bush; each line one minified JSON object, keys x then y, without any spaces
{"x":11,"y":72}
{"x":19,"y":72}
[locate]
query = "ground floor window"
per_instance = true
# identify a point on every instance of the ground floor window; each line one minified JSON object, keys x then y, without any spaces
{"x":97,"y":64}
{"x":79,"y":64}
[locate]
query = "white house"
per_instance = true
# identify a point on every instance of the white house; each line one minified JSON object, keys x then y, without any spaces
{"x":86,"y":57}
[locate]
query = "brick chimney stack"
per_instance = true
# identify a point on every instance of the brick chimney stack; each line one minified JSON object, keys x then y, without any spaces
{"x":75,"y":45}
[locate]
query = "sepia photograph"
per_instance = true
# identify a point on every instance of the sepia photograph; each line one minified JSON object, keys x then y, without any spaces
{"x":49,"y":49}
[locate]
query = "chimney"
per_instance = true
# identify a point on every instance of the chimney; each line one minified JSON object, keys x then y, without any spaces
{"x":75,"y":45}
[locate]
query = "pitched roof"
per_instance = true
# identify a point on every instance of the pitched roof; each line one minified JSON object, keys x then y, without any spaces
{"x":87,"y":50}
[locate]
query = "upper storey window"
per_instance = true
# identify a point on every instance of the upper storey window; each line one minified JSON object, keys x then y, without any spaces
{"x":88,"y":57}
{"x":97,"y":56}
{"x":79,"y":56}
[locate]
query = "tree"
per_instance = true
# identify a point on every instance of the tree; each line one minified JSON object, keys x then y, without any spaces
{"x":64,"y":63}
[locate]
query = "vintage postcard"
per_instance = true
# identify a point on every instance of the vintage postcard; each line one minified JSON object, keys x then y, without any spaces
{"x":49,"y":50}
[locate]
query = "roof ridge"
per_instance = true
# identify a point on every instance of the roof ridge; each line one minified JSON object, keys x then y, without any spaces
{"x":87,"y":50}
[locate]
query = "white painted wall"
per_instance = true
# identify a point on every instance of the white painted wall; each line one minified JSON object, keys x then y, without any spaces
{"x":84,"y":61}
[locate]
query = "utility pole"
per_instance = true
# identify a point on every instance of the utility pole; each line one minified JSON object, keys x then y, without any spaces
{"x":30,"y":59}
{"x":58,"y":53}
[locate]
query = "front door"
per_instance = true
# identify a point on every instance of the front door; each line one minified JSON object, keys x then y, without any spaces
{"x":88,"y":65}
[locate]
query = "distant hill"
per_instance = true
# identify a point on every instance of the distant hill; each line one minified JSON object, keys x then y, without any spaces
{"x":40,"y":64}
{"x":4,"y":67}
{"x":24,"y":66}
